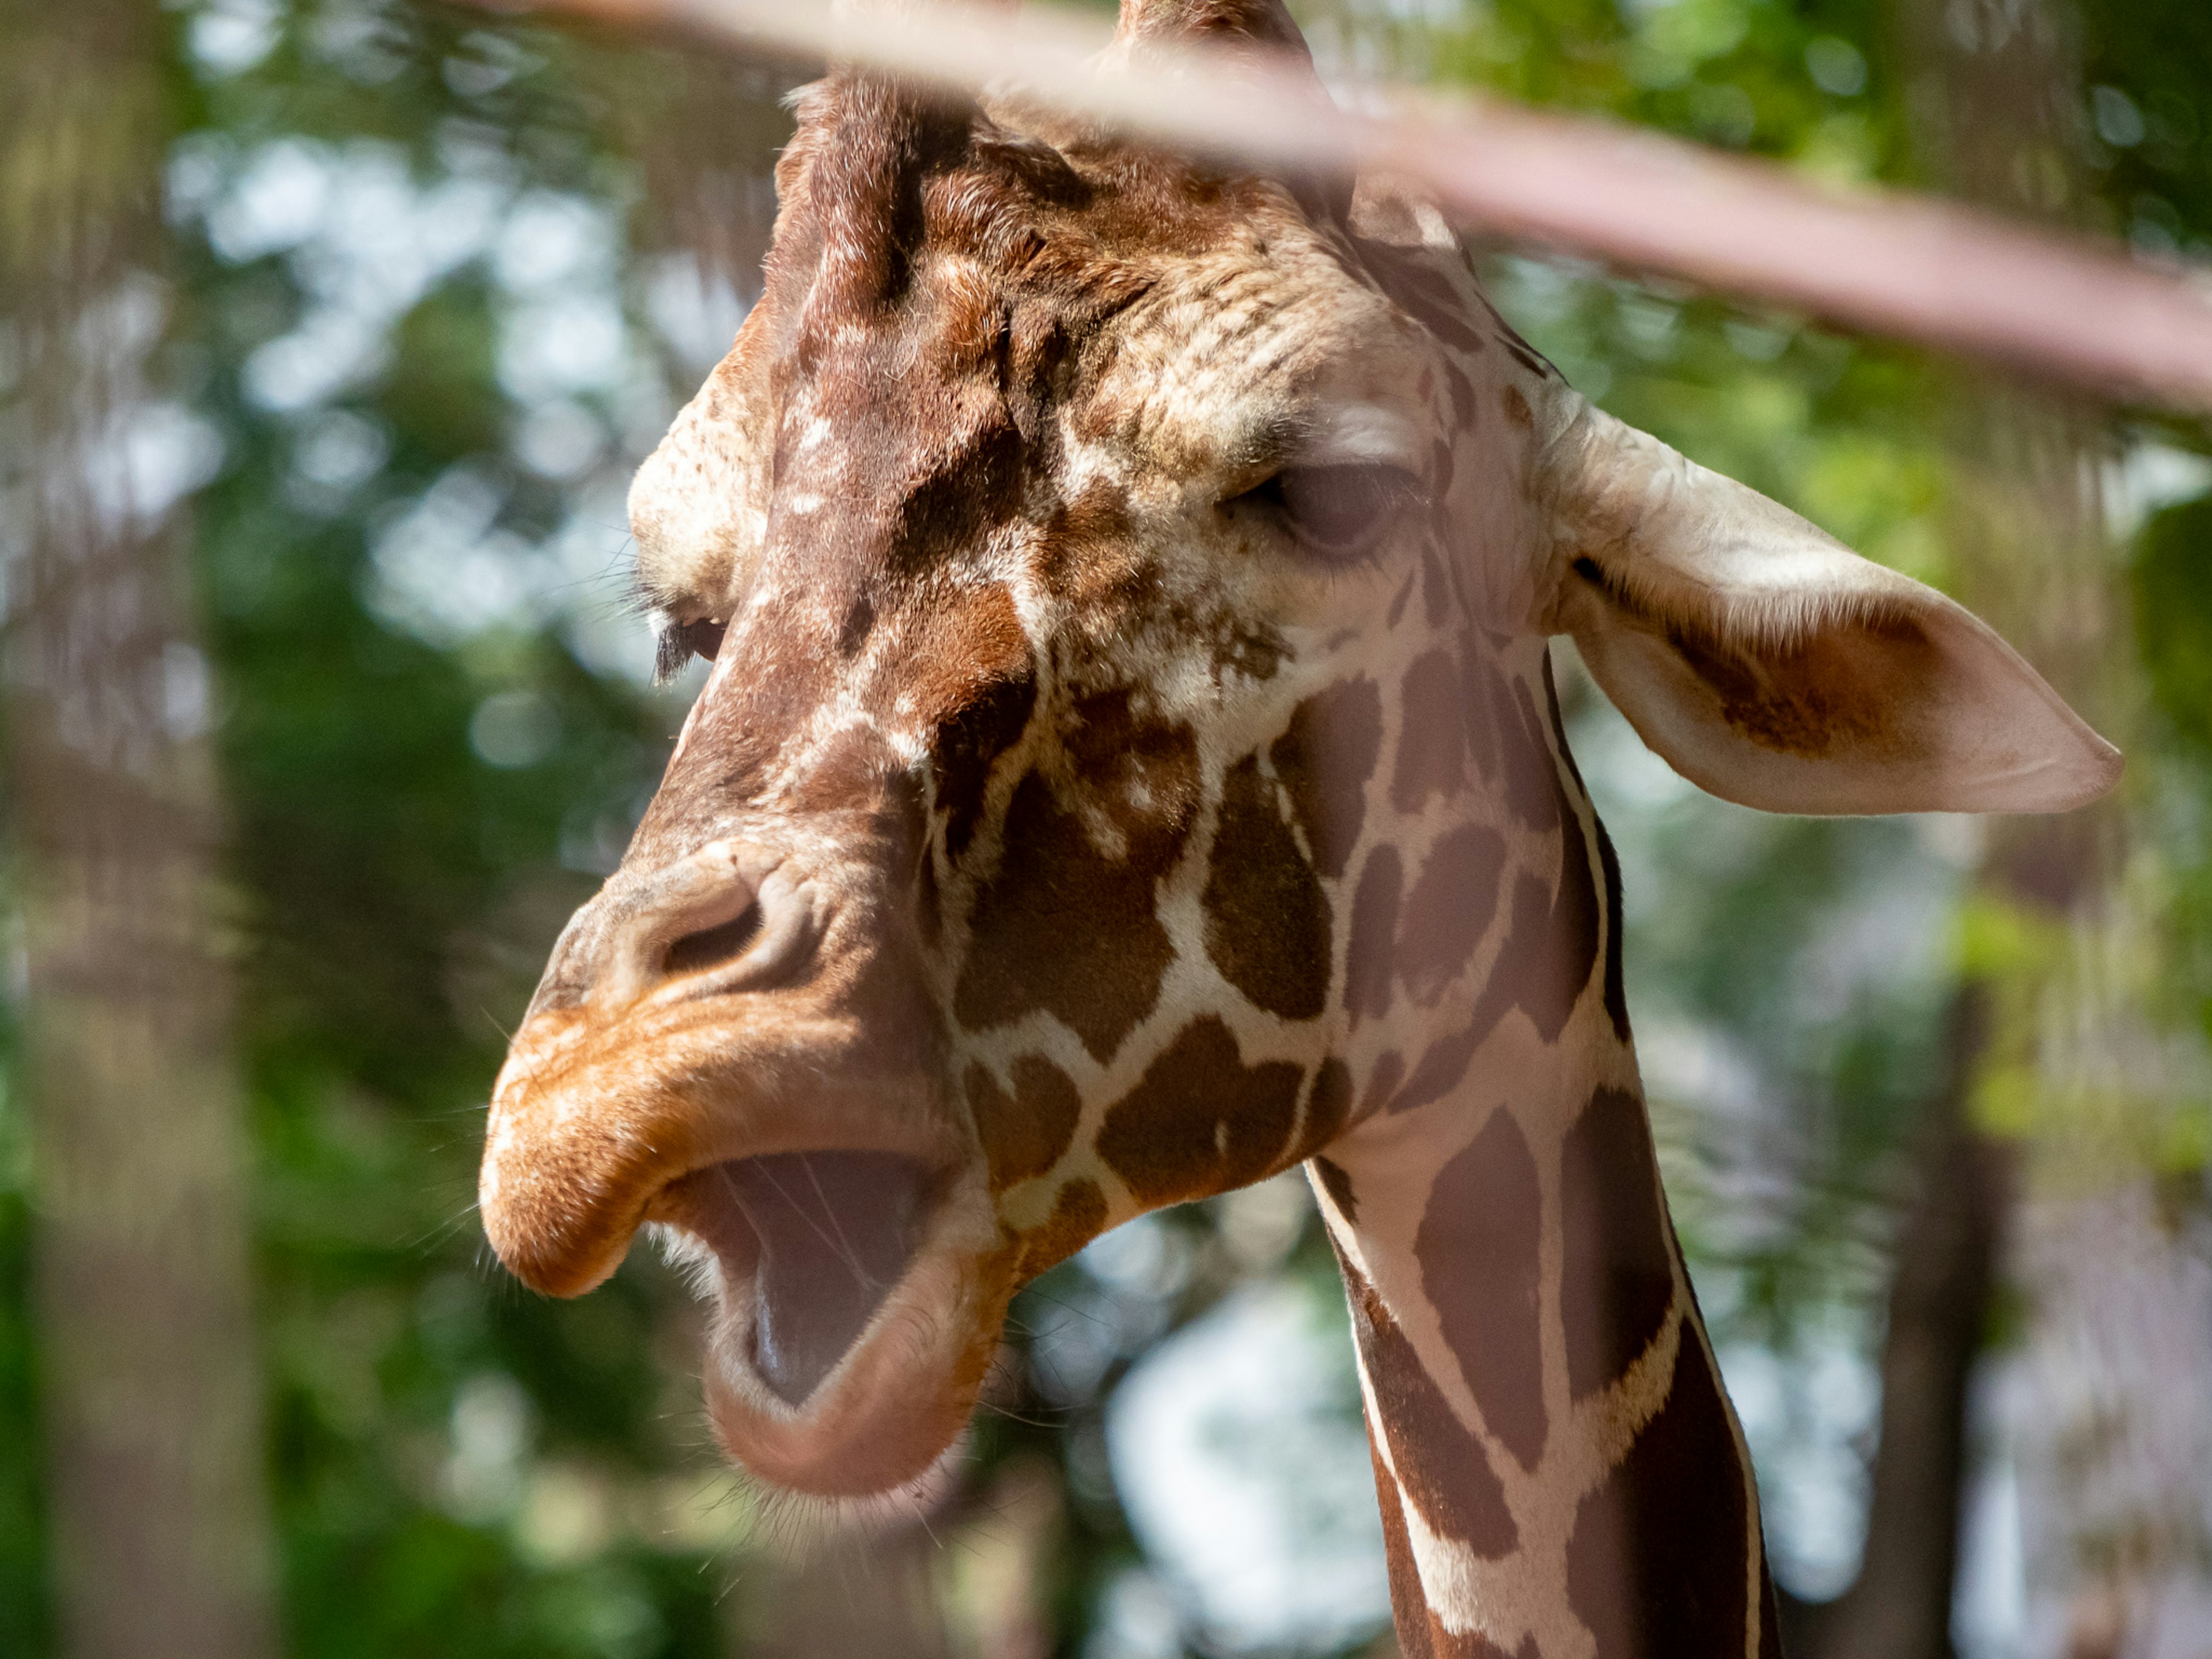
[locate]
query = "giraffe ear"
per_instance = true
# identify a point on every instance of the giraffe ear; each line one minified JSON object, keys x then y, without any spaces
{"x":1771,"y":666}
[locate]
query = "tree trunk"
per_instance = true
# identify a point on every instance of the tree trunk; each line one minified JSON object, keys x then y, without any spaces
{"x":148,"y":1380}
{"x":1899,"y":1606}
{"x":2111,"y":1424}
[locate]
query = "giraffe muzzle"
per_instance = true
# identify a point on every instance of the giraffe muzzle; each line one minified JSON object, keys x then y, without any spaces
{"x":733,"y":1050}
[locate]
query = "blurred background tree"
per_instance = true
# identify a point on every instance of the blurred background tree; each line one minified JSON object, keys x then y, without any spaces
{"x":1933,"y":1097}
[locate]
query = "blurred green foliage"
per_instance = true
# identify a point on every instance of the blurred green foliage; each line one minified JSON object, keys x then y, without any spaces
{"x":419,"y":795}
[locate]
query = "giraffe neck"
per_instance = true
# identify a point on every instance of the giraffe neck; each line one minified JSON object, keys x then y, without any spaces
{"x":1560,"y":1475}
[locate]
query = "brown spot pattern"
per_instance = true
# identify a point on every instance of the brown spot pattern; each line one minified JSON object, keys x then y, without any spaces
{"x":1324,"y":759}
{"x":1199,"y":1120}
{"x":1463,"y":396}
{"x":1370,"y":957}
{"x":1655,"y":1568}
{"x":1532,"y":774}
{"x":1024,"y":1133}
{"x":1431,"y":743}
{"x":1421,"y":1632}
{"x":1478,"y":719}
{"x":1436,"y":588}
{"x":1063,"y":925}
{"x":1449,"y":909}
{"x":1616,"y":988}
{"x":1477,"y":1245}
{"x":1328,"y":1103}
{"x":1267,"y":925}
{"x":1618,"y":1279}
{"x":1383,"y":1082}
{"x":1442,"y":1468}
{"x":1409,"y":1605}
{"x":967,"y":747}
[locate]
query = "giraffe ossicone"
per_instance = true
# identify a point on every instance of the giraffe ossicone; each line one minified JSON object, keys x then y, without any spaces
{"x":1130,"y":767}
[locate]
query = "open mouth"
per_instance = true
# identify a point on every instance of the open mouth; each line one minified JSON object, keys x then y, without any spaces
{"x":856,"y":1313}
{"x":821,"y":1238}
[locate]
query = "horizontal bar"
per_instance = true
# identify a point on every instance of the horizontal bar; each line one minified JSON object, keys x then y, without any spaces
{"x":1880,"y":262}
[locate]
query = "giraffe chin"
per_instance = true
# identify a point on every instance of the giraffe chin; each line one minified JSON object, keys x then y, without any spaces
{"x":843,"y":1360}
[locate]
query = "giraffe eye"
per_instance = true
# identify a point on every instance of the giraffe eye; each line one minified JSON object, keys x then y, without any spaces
{"x":681,"y":641}
{"x":1338,"y":512}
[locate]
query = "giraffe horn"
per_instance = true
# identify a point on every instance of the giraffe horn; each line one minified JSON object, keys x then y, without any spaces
{"x":1251,"y":29}
{"x":1264,"y":23}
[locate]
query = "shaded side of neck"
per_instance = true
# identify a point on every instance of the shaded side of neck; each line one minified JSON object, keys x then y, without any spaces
{"x":1560,"y":1471}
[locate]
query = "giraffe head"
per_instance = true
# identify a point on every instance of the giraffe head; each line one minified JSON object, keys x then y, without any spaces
{"x":1129,"y":743}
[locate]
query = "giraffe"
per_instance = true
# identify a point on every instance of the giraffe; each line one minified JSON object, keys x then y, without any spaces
{"x":1131,"y":766}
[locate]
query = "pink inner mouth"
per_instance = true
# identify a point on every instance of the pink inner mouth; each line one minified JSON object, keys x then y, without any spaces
{"x":835,"y":1232}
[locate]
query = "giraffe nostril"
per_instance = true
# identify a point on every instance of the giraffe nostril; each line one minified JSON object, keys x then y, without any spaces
{"x":710,"y":947}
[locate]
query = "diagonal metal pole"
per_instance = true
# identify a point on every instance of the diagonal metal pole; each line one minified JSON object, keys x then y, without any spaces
{"x":2061,"y":308}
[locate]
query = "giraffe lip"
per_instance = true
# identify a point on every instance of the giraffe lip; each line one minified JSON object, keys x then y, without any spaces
{"x":831,"y":1234}
{"x":858,"y":1296}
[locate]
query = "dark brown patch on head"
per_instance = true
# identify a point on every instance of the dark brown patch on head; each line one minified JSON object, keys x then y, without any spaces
{"x":1256,"y":653}
{"x":1516,"y":408}
{"x":1266,"y":919}
{"x":1532,"y":776}
{"x":1078,"y":1216}
{"x":1477,"y":1245}
{"x":1431,"y":743}
{"x":1436,"y":587}
{"x":1328,"y":1103}
{"x":1442,"y":1468}
{"x":1463,"y":396}
{"x":1337,"y":1183}
{"x":1655,"y":1568}
{"x":1199,"y":1120}
{"x":1063,"y":927}
{"x":1479,"y":719}
{"x":1449,"y":909}
{"x":966,"y":748}
{"x":1324,"y":759}
{"x":929,"y":901}
{"x":1142,"y":774}
{"x":1370,"y":957}
{"x":1086,"y":552}
{"x":1024,"y":1133}
{"x":1616,"y":988}
{"x":1617,"y":1281}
